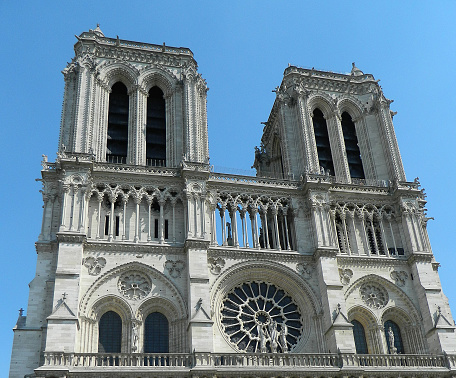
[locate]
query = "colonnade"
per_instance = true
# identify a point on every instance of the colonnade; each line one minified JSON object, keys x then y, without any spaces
{"x":270,"y":227}
{"x":360,"y":231}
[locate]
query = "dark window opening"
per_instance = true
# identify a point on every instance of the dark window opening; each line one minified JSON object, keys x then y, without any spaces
{"x":110,"y":333}
{"x":322,"y":141}
{"x":156,"y":129}
{"x":166,"y":228}
{"x":360,"y":337}
{"x":396,"y":335}
{"x":107,"y":225}
{"x":156,"y":229}
{"x":117,"y":142}
{"x":117,"y":225}
{"x":355,"y":163}
{"x":156,"y":333}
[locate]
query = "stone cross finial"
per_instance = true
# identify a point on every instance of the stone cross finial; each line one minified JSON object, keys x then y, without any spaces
{"x":21,"y":311}
{"x":338,"y":308}
{"x":64,"y":295}
{"x":439,"y":310}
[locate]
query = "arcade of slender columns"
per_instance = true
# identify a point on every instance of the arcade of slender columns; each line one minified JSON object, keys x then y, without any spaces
{"x":271,"y":218}
{"x":348,"y":227}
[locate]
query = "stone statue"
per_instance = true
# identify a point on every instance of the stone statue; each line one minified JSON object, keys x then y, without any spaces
{"x":283,"y":338}
{"x":274,"y":335}
{"x":134,"y":337}
{"x":391,"y":341}
{"x":262,"y":337}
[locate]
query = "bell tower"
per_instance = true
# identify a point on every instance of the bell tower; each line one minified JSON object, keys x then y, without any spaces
{"x":133,"y":103}
{"x":335,"y":124}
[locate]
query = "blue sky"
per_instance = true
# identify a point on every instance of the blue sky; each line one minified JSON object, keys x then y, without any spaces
{"x":242,"y":48}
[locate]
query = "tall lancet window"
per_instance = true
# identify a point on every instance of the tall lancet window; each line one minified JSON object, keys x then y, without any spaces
{"x":276,"y":161}
{"x":355,"y":163}
{"x":156,"y":129}
{"x":322,"y":139}
{"x":117,"y":143}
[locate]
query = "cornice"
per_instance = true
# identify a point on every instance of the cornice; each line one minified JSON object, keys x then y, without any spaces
{"x":221,"y":179}
{"x":46,"y":246}
{"x":69,"y":237}
{"x":370,"y":261}
{"x":419,"y":257}
{"x":196,"y":244}
{"x":118,"y":247}
{"x":258,"y":255}
{"x":135,"y":169}
{"x":326,"y":252}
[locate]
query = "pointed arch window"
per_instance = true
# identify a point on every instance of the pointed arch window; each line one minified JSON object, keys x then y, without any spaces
{"x":156,"y":333}
{"x":110,"y":333}
{"x":117,"y":142}
{"x":276,"y":161}
{"x":322,"y":140}
{"x":156,"y":128}
{"x":393,"y":336}
{"x":360,"y":337}
{"x":355,"y":163}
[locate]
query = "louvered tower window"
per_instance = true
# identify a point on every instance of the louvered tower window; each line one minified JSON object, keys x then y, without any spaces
{"x":355,"y":163}
{"x":117,"y":143}
{"x":110,"y":333}
{"x":156,"y":333}
{"x":156,"y":129}
{"x":360,"y":337}
{"x":322,"y":139}
{"x":397,"y":337}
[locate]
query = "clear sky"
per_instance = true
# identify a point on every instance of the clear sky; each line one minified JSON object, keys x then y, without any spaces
{"x":242,"y":48}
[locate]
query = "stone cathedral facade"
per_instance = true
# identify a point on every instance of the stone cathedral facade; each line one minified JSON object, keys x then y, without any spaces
{"x":150,"y":264}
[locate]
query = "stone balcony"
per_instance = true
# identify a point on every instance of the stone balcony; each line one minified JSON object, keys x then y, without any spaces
{"x":264,"y":364}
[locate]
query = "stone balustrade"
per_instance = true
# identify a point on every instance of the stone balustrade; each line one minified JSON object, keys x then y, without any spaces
{"x":233,"y":361}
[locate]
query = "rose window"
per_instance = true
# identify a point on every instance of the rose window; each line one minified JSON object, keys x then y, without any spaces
{"x":374,"y":296}
{"x":260,"y":317}
{"x":134,"y":285}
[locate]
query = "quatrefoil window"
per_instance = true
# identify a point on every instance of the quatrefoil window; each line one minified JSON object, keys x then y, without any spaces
{"x":254,"y":306}
{"x":134,"y":285}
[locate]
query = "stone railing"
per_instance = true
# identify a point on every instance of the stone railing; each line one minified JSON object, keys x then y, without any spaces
{"x":234,"y":361}
{"x":252,"y":180}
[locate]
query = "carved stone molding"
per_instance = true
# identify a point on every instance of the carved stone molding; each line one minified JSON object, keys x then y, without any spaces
{"x":215,"y":264}
{"x":345,"y":275}
{"x":399,"y":276}
{"x":110,"y":247}
{"x":64,"y":237}
{"x":174,"y":267}
{"x":46,"y":246}
{"x":196,"y":244}
{"x":94,"y":264}
{"x":251,"y":254}
{"x":305,"y":269}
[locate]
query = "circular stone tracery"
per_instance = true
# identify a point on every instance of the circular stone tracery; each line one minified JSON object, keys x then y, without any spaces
{"x":134,"y":285}
{"x":374,"y":296}
{"x":259,"y":310}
